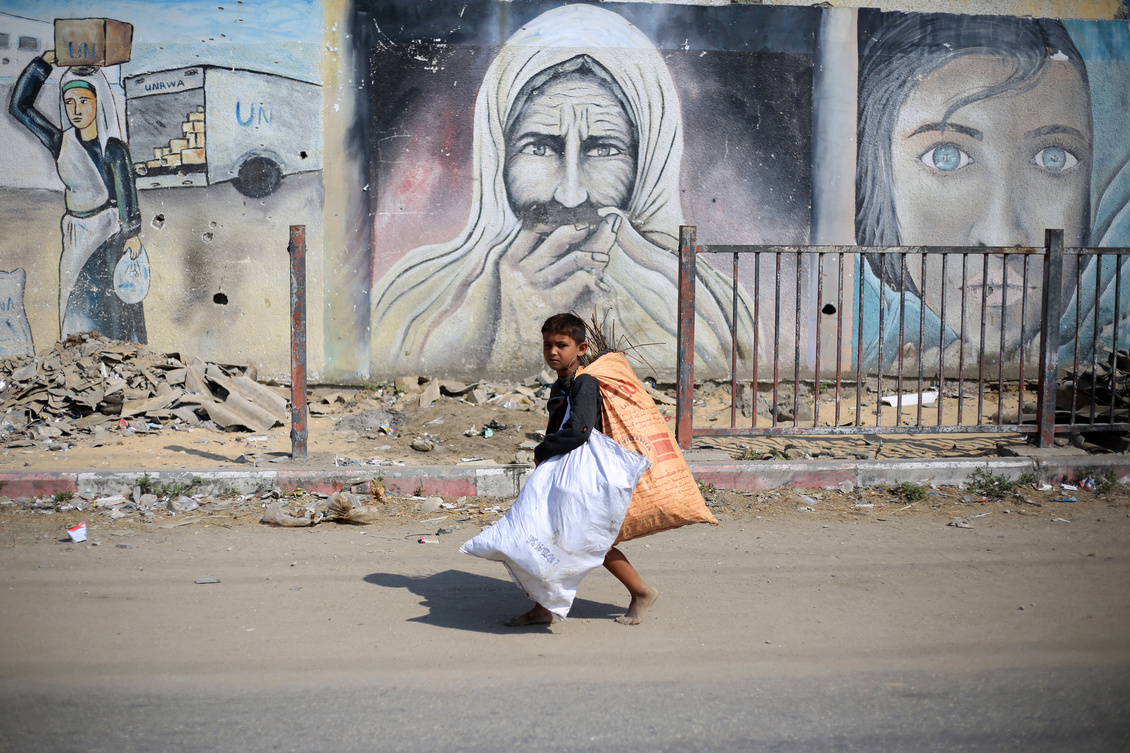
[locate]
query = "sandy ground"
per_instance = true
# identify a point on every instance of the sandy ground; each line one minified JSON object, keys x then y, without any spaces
{"x":867,"y":596}
{"x":777,"y":588}
{"x":454,"y":428}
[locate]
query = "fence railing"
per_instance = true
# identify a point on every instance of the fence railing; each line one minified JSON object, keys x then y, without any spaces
{"x":926,"y":325}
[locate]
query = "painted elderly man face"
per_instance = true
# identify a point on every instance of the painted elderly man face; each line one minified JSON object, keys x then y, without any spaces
{"x":570,"y":151}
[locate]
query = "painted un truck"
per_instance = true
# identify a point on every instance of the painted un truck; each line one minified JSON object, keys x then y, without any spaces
{"x":204,"y":125}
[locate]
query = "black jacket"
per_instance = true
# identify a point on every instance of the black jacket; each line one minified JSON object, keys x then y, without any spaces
{"x":584,"y":399}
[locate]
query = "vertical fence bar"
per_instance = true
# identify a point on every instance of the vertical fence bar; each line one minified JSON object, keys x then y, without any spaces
{"x":796,"y":345}
{"x":1049,"y":334}
{"x":1114,"y":335}
{"x":819,"y":318}
{"x":776,"y":339}
{"x":879,"y":381}
{"x":298,"y":425}
{"x":756,"y":333}
{"x":922,"y":338}
{"x":860,"y":261}
{"x":684,"y":386}
{"x":1078,"y":321}
{"x":942,"y":339}
{"x":1023,"y":344}
{"x":902,"y":336}
{"x":1000,"y":361}
{"x":961,"y":343}
{"x":1095,"y":338}
{"x":839,"y":331}
{"x":981,"y":344}
{"x":734,"y":351}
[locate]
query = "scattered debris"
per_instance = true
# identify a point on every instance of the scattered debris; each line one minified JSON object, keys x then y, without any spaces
{"x":88,"y":383}
{"x":960,"y":523}
{"x":347,"y":507}
{"x":911,"y":398}
{"x":372,"y":423}
{"x":292,"y":515}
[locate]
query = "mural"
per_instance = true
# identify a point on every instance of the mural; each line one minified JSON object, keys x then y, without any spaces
{"x":493,"y":162}
{"x":973,"y":131}
{"x":577,"y":193}
{"x":178,"y":141}
{"x":102,"y":219}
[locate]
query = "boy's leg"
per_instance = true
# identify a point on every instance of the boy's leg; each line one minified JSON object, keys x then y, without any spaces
{"x":539,"y":615}
{"x":643,"y":595}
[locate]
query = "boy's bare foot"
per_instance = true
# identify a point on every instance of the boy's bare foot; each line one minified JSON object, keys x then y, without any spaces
{"x":639,"y":606}
{"x":539,"y":615}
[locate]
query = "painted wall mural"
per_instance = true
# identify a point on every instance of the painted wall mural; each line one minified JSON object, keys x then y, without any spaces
{"x":488,"y":163}
{"x":971,"y":130}
{"x":585,"y":133}
{"x":176,"y":142}
{"x":980,"y":131}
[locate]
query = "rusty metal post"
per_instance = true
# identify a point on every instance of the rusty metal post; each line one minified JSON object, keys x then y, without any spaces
{"x":1049,"y":335}
{"x":298,"y":426}
{"x":684,"y":385}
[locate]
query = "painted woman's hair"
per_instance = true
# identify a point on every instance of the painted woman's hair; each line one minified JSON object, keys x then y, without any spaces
{"x":897,"y":52}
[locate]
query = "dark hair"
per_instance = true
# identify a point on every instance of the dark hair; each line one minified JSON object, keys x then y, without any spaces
{"x":570,"y":325}
{"x":898,"y":51}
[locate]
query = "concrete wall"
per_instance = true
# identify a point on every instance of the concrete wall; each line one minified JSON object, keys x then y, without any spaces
{"x":426,"y":256}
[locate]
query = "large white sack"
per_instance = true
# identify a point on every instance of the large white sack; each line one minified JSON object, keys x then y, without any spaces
{"x":564,"y":521}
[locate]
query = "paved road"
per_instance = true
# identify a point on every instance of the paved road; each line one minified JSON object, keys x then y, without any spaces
{"x":797,"y":634}
{"x":992,"y":711}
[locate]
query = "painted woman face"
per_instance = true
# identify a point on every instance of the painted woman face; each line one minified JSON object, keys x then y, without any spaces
{"x":570,"y":152}
{"x":998,"y":172}
{"x":82,"y":107}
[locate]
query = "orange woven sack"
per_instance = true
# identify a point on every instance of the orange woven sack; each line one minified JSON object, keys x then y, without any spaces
{"x":667,"y":496}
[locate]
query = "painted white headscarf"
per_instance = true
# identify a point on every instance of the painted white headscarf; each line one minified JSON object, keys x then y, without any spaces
{"x":85,"y":188}
{"x":419,"y":295}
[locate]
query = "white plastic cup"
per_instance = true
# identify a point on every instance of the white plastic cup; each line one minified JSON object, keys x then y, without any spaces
{"x":77,"y":533}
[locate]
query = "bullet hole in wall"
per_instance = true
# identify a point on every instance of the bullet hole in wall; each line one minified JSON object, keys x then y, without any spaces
{"x":207,"y":237}
{"x":220,"y":298}
{"x":158,"y":221}
{"x":828,"y":309}
{"x":302,"y":155}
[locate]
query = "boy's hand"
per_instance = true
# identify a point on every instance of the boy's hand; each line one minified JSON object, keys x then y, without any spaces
{"x":49,"y":57}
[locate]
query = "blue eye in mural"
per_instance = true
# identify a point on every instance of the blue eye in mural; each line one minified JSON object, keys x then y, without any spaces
{"x":1055,"y":158}
{"x":945,"y":157}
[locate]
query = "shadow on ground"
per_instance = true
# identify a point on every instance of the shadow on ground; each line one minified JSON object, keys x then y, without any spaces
{"x":466,"y":601}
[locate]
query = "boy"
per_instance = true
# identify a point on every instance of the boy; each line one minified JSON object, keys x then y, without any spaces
{"x":574,"y":411}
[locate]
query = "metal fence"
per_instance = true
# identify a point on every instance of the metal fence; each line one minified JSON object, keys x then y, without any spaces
{"x":925,"y":324}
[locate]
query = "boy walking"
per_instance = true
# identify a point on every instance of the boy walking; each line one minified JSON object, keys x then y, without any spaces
{"x":574,"y":411}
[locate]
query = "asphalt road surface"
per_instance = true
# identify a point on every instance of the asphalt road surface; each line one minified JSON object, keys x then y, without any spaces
{"x":803,"y":634}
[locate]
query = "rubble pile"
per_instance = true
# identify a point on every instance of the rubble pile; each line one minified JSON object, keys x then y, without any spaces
{"x":190,"y":500}
{"x":1100,"y":390}
{"x":1106,"y":383}
{"x":89,"y":383}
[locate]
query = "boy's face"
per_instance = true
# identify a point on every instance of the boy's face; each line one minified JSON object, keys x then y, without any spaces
{"x":561,"y":352}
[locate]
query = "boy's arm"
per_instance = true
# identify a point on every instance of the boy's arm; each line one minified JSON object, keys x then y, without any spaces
{"x":584,"y":415}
